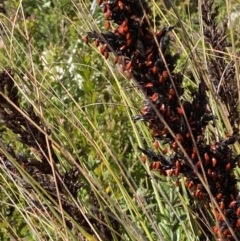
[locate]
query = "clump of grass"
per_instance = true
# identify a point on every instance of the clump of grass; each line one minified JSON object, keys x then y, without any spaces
{"x":73,"y":168}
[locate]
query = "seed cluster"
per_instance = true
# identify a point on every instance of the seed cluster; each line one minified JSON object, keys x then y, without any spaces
{"x":143,"y":55}
{"x":25,"y":127}
{"x":221,"y":69}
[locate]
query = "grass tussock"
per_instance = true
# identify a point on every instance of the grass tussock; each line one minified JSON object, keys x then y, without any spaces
{"x":119,"y":121}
